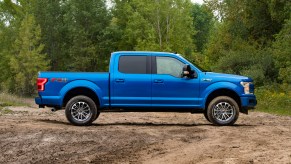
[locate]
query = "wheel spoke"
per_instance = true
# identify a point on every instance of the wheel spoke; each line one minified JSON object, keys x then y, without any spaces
{"x":75,"y":114}
{"x":85,"y":116}
{"x":86,"y":109}
{"x":223,"y":117}
{"x":80,"y":111}
{"x":223,"y":111}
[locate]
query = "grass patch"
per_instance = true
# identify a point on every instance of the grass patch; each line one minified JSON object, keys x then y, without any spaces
{"x":11,"y":100}
{"x":274,"y":99}
{"x":5,"y":111}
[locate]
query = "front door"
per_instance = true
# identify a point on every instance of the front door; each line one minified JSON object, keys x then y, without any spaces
{"x":169,"y":89}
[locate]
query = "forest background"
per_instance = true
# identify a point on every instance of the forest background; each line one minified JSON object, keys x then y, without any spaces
{"x":246,"y":37}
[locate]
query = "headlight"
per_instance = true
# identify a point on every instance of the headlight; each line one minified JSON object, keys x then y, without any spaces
{"x":246,"y":86}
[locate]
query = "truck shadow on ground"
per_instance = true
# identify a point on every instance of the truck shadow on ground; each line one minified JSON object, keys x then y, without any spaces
{"x":139,"y":124}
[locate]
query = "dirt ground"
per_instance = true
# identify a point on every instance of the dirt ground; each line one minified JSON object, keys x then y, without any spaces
{"x":32,"y":135}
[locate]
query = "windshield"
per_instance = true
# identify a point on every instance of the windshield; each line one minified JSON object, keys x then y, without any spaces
{"x":197,"y":66}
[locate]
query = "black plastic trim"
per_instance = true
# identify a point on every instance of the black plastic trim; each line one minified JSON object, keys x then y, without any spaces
{"x":148,"y":65}
{"x":174,"y":110}
{"x":154,"y":65}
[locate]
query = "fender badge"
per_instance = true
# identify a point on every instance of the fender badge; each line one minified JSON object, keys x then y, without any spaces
{"x":59,"y":79}
{"x":207,"y":80}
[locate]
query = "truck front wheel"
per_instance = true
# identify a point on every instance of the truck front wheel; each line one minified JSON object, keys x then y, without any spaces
{"x":81,"y":111}
{"x":223,"y":111}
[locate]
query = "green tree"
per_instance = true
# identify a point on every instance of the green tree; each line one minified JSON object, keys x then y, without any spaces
{"x":282,"y":52}
{"x":86,"y":24}
{"x":203,"y":21}
{"x":8,"y":33}
{"x":155,"y":25}
{"x":27,"y":58}
{"x":240,"y":42}
{"x":253,"y":21}
{"x":54,"y":32}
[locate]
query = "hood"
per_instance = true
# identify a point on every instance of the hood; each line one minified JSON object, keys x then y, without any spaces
{"x":225,"y":77}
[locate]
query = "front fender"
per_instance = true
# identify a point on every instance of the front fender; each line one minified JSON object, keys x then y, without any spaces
{"x":219,"y":85}
{"x":81,"y":83}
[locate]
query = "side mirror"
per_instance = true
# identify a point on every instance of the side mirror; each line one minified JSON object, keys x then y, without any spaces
{"x":188,"y":72}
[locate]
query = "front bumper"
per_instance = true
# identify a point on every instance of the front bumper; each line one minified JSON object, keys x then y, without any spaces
{"x":248,"y":101}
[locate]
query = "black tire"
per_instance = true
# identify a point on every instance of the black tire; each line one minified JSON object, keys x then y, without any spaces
{"x":81,"y":111}
{"x":206,"y":116}
{"x":97,"y":115}
{"x":223,"y":111}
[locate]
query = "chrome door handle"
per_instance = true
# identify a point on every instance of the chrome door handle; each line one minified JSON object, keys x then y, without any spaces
{"x":158,"y":81}
{"x":119,"y":80}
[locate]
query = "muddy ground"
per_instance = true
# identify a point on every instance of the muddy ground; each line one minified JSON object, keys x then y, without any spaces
{"x":31,"y":135}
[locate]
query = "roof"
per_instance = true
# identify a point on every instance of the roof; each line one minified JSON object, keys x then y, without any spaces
{"x":143,"y":52}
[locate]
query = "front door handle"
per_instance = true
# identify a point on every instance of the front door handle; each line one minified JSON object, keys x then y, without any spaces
{"x":158,"y":81}
{"x":119,"y":80}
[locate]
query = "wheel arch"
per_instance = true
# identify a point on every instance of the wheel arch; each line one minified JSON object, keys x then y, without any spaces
{"x":81,"y":87}
{"x":80,"y":91}
{"x":223,"y":92}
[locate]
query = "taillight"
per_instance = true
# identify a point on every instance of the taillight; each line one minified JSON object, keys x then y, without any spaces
{"x":40,"y":83}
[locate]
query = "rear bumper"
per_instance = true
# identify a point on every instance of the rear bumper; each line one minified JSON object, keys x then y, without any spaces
{"x":50,"y":101}
{"x":38,"y":100}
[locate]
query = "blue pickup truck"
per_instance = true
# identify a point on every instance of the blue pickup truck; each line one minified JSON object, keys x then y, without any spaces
{"x":147,"y":82}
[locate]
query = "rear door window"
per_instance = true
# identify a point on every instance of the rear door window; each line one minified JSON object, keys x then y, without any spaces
{"x":133,"y":64}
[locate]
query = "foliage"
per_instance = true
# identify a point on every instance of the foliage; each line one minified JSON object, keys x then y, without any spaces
{"x":7,"y":99}
{"x":282,"y":52}
{"x":244,"y":37}
{"x":86,"y":24}
{"x":240,"y":43}
{"x":203,"y":21}
{"x":5,"y":111}
{"x":49,"y":15}
{"x":248,"y":60}
{"x":74,"y":33}
{"x":27,"y":59}
{"x":274,"y":99}
{"x":155,"y":25}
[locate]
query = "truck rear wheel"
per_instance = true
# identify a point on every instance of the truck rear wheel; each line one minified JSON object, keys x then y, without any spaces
{"x":223,"y":111}
{"x":97,"y":115}
{"x":206,"y":116}
{"x":81,"y":111}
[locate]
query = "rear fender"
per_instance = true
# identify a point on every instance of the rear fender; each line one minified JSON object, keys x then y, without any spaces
{"x":81,"y":83}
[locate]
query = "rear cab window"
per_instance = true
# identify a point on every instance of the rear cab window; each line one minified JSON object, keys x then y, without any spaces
{"x":133,"y":64}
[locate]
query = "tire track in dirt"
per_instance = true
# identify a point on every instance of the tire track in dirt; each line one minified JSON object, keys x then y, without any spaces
{"x":30,"y":135}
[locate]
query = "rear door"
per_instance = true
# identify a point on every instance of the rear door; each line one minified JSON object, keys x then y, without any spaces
{"x":169,"y":89}
{"x":132,"y":81}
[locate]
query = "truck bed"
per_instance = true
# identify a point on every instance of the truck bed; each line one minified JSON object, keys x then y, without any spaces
{"x":60,"y":82}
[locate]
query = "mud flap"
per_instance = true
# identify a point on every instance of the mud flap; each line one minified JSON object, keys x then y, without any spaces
{"x":244,"y":110}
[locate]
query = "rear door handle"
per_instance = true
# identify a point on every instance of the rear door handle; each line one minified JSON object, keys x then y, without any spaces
{"x":158,"y":81}
{"x":119,"y":80}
